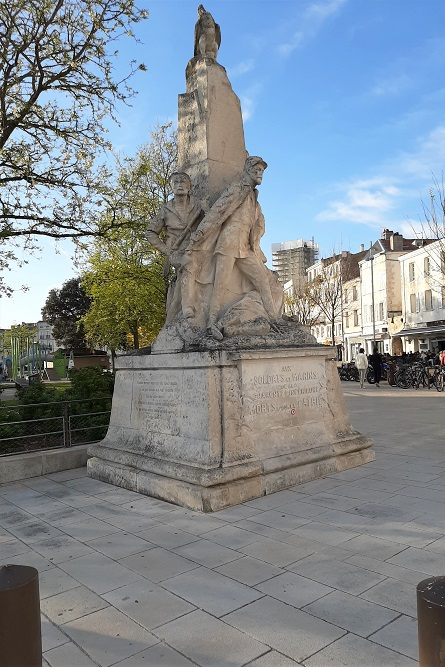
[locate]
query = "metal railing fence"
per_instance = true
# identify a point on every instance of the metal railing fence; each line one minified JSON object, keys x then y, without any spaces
{"x":37,"y":426}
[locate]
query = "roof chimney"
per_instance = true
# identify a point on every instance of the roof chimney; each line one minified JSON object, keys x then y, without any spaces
{"x":396,"y":242}
{"x":362,"y":247}
{"x":386,"y":234}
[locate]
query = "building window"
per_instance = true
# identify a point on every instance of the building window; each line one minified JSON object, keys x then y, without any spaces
{"x":346,"y":296}
{"x":356,"y":318}
{"x":412,"y":302}
{"x":411,"y":274}
{"x":380,"y":311}
{"x":426,"y":266}
{"x":347,"y":320}
{"x":443,"y":297}
{"x":428,"y":300}
{"x":354,"y":293}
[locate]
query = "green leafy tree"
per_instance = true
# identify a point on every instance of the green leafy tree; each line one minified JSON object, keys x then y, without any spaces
{"x":123,"y":273}
{"x":57,"y":89}
{"x":64,"y":309}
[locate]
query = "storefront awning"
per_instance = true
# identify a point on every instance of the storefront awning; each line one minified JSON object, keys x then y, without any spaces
{"x":421,"y":332}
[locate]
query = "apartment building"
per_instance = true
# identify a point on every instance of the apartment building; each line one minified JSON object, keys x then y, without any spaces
{"x":377,"y":305}
{"x":423,"y":298}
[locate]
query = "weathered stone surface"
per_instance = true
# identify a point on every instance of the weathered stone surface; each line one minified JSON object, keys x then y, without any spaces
{"x":211,"y":155}
{"x":212,"y":429}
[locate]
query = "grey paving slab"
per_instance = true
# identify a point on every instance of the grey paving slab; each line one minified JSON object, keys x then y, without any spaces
{"x":374,"y":547}
{"x":302,"y":509}
{"x":342,"y":519}
{"x":61,"y":548}
{"x":88,"y":485}
{"x":166,"y":536}
{"x":273,"y":659}
{"x":61,"y":516}
{"x":405,"y":533}
{"x":273,"y":500}
{"x":361,"y":493}
{"x":383,"y":511}
{"x":51,"y":635}
{"x":209,"y":642}
{"x":337,"y":574}
{"x":192,"y":522}
{"x":89,"y":529}
{"x":211,"y":591}
{"x":100,"y":573}
{"x":120,"y":544}
{"x":208,"y":553}
{"x":386,"y":569}
{"x":148,"y":604}
{"x":159,"y":655}
{"x":285,"y":629}
{"x":54,"y":581}
{"x":400,"y":635}
{"x":119,"y":496}
{"x":12,"y":548}
{"x":351,"y":613}
{"x":71,"y":604}
{"x":333,"y":501}
{"x":231,"y":536}
{"x":237,"y":513}
{"x":127,"y":520}
{"x":249,"y":571}
{"x":34,"y":531}
{"x":275,"y":553}
{"x":352,"y":651}
{"x":68,"y":655}
{"x":394,"y":594}
{"x":280,"y":520}
{"x":261,"y":529}
{"x":66,"y":475}
{"x":108,"y":636}
{"x":158,"y":564}
{"x":323,"y":532}
{"x":421,"y":560}
{"x":33,"y":559}
{"x":293,"y":589}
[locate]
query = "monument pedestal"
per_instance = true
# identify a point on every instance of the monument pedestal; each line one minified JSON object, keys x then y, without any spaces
{"x":207,"y":430}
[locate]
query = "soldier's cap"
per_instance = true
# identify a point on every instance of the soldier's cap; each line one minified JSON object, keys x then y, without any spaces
{"x":253,"y":160}
{"x":181,"y":173}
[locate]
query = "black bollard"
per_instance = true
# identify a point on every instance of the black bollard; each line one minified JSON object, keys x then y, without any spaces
{"x":20,"y":630}
{"x":431,"y":621}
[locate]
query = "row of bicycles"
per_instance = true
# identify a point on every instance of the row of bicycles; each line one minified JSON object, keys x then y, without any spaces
{"x":405,"y":376}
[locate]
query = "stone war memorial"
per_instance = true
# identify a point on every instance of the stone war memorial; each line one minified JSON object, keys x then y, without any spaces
{"x":233,"y":402}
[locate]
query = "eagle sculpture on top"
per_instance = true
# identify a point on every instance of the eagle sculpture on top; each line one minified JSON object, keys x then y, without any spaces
{"x":207,"y":35}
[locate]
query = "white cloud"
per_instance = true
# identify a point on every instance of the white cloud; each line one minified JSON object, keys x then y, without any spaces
{"x":241,"y":68}
{"x":310,"y":22}
{"x":248,"y":101}
{"x":392,"y":86}
{"x":363,"y":202}
{"x":374,"y":200}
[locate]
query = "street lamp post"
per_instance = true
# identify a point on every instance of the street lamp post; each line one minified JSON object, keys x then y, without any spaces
{"x":371,"y":259}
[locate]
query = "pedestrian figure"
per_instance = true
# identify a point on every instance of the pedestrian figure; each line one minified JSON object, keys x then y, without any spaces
{"x":375,"y":359}
{"x":361,"y":362}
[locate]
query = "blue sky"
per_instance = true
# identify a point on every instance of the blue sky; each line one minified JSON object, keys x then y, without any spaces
{"x":344,"y":99}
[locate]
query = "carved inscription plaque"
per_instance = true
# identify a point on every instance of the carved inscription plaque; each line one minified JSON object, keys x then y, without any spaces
{"x":279,"y":393}
{"x":156,"y":400}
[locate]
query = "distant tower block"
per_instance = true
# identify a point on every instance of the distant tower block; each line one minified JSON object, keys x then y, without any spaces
{"x":211,"y":147}
{"x":291,"y":259}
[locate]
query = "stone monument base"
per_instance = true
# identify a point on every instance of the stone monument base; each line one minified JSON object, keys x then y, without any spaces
{"x":207,"y":430}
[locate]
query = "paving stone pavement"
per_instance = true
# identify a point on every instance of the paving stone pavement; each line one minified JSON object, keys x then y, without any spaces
{"x":323,"y":574}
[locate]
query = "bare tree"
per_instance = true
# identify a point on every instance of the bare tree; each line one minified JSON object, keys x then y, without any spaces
{"x":57,"y":88}
{"x":325,"y":292}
